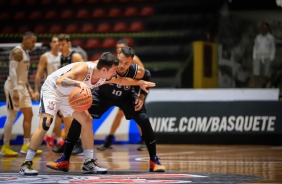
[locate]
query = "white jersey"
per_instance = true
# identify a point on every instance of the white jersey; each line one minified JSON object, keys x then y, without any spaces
{"x":53,"y":62}
{"x":51,"y":79}
{"x":264,"y":47}
{"x":23,"y":67}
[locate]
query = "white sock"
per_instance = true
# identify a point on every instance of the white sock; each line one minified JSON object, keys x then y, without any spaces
{"x":26,"y":141}
{"x":30,"y":155}
{"x":88,"y":154}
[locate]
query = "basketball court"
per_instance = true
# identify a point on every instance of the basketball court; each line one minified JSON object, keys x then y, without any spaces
{"x":184,"y":164}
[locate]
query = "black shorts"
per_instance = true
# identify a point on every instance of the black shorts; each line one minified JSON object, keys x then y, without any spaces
{"x":101,"y":104}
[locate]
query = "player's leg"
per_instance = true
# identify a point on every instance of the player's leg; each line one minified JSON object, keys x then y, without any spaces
{"x":109,"y":139}
{"x":56,"y":133}
{"x":142,"y":146}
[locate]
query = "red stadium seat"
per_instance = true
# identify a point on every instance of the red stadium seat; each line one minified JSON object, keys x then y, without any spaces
{"x":51,"y":14}
{"x":99,"y":13}
{"x":71,"y":28}
{"x":7,"y":30}
{"x":83,"y":14}
{"x":78,"y":42}
{"x":23,"y":28}
{"x":15,"y":2}
{"x":147,"y":11}
{"x":136,"y":26}
{"x":35,"y":15}
{"x":104,"y":27}
{"x":67,"y":14}
{"x":4,"y":15}
{"x":31,"y":2}
{"x":115,"y":12}
{"x":130,"y":41}
{"x":92,"y":43}
{"x":120,"y":27}
{"x":131,"y":11}
{"x":46,"y":2}
{"x":20,"y":15}
{"x":87,"y":28}
{"x":95,"y":57}
{"x":55,"y":29}
{"x":41,"y":28}
{"x":109,"y":43}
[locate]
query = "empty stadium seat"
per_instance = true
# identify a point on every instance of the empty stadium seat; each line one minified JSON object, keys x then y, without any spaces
{"x":7,"y":29}
{"x":55,"y":29}
{"x":120,"y":27}
{"x":99,"y":13}
{"x":87,"y":28}
{"x":71,"y":28}
{"x":41,"y":28}
{"x":92,"y":43}
{"x":115,"y":12}
{"x":82,"y":14}
{"x":51,"y":14}
{"x":130,"y":41}
{"x":104,"y":27}
{"x":20,"y":15}
{"x":67,"y":14}
{"x":78,"y":42}
{"x":35,"y":15}
{"x":109,"y":43}
{"x":23,"y":28}
{"x":131,"y":11}
{"x":136,"y":26}
{"x":95,"y":57}
{"x":147,"y":11}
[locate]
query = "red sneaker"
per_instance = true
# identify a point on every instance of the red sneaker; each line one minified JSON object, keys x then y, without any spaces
{"x":49,"y":140}
{"x":156,"y":166}
{"x":61,"y":164}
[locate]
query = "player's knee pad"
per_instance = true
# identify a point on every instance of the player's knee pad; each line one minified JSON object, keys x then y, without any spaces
{"x":44,"y":123}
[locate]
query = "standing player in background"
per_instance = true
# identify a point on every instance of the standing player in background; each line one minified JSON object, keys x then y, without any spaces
{"x":49,"y":62}
{"x":126,"y":98}
{"x":68,"y":56}
{"x":109,"y":139}
{"x":18,"y":94}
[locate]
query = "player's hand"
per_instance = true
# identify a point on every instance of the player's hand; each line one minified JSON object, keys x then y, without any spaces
{"x":85,"y":89}
{"x":36,"y":96}
{"x":139,"y":102}
{"x":146,"y":84}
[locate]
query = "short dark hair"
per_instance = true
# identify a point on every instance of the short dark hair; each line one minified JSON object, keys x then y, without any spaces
{"x":107,"y":60}
{"x":62,"y":37}
{"x":121,"y":41}
{"x":29,"y":34}
{"x":127,"y":51}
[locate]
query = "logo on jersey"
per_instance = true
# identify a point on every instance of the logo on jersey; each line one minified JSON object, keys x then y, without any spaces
{"x":124,"y":87}
{"x":51,"y":106}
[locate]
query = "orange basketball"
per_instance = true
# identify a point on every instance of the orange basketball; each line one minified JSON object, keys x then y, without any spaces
{"x":79,"y":101}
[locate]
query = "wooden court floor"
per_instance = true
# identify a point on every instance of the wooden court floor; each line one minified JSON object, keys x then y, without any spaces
{"x":184,"y":164}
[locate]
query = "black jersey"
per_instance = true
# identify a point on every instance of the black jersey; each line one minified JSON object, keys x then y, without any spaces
{"x":67,"y":60}
{"x":115,"y":91}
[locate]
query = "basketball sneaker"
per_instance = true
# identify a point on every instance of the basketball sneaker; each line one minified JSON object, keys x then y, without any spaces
{"x":142,"y":146}
{"x":49,"y":140}
{"x":59,"y":147}
{"x":26,"y":169}
{"x":92,"y":167}
{"x":61,"y":164}
{"x":8,"y":152}
{"x":78,"y":150}
{"x":156,"y":166}
{"x":24,"y":150}
{"x":104,"y":147}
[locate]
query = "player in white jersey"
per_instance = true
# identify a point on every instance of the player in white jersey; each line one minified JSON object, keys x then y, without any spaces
{"x":54,"y":97}
{"x":49,"y":62}
{"x":18,"y":93}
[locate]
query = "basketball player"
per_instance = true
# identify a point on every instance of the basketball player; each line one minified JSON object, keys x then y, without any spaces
{"x":54,"y":97}
{"x":49,"y":62}
{"x":68,"y":56}
{"x":124,"y":97}
{"x":109,"y":139}
{"x":18,"y":94}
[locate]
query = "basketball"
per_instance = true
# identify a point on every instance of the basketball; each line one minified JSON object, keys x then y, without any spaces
{"x":79,"y":101}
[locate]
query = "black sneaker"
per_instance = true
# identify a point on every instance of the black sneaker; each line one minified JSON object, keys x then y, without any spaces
{"x":104,"y":147}
{"x":77,"y":150}
{"x":59,"y":147}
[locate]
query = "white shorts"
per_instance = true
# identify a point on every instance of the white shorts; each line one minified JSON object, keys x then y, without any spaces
{"x":24,"y":97}
{"x":262,"y":67}
{"x":51,"y":101}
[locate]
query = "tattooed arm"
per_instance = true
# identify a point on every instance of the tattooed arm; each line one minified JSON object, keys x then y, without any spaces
{"x":74,"y":78}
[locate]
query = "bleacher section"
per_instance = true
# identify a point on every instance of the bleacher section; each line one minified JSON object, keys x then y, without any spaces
{"x":161,"y":31}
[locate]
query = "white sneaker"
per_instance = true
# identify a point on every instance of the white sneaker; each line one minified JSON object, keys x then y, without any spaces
{"x":92,"y":167}
{"x":26,"y":169}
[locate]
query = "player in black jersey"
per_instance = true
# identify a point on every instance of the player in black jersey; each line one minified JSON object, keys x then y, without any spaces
{"x":127,"y":99}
